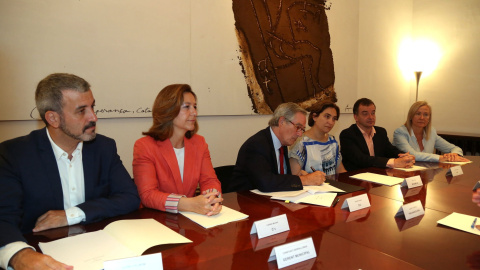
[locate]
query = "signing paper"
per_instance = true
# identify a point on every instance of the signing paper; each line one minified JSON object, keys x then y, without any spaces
{"x":457,"y":162}
{"x":461,"y":222}
{"x":120,"y":239}
{"x":378,"y":178}
{"x":227,"y":215}
{"x":322,"y":199}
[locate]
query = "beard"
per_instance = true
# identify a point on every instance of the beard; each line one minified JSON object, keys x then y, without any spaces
{"x":81,"y":137}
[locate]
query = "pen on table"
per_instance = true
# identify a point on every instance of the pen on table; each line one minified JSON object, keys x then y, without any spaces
{"x":335,"y":202}
{"x":474,"y":223}
{"x":313,"y":169}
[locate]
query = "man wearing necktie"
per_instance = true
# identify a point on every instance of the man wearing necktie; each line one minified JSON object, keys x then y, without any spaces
{"x":261,"y":162}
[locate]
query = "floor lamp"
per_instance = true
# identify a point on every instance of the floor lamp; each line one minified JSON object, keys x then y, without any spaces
{"x":418,"y":74}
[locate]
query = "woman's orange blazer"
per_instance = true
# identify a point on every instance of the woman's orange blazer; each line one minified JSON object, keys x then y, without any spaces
{"x":157,"y":175}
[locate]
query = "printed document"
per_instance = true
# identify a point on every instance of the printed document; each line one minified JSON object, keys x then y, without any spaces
{"x":325,"y":187}
{"x":378,"y":178}
{"x":120,"y":239}
{"x":458,"y":162}
{"x":461,"y":222}
{"x":227,"y":215}
{"x":322,"y":199}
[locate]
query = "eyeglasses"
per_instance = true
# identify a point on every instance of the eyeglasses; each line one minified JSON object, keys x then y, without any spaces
{"x":298,"y":126}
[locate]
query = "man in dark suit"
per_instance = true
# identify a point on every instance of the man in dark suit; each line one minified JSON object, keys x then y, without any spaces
{"x":261,"y":161}
{"x":61,"y":175}
{"x":365,"y":145}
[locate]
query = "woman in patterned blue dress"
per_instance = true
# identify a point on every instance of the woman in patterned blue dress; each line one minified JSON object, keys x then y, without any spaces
{"x":316,"y":149}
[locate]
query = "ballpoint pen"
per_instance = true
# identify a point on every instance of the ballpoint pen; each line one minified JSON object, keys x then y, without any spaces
{"x":335,"y":202}
{"x":313,"y":169}
{"x":474,"y":223}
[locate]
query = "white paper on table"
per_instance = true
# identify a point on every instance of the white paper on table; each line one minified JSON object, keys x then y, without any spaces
{"x":457,"y":162}
{"x":120,"y":239}
{"x":292,"y":199}
{"x":378,"y":178}
{"x":279,"y":193}
{"x":413,"y":168}
{"x":323,"y":188}
{"x":322,"y":199}
{"x":141,"y":234}
{"x":227,"y":215}
{"x":87,"y":250}
{"x":145,"y":262}
{"x":460,"y":222}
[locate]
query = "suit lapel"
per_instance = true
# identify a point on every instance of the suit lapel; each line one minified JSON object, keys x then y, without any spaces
{"x":167,"y":152}
{"x":51,"y":168}
{"x":362,"y":142}
{"x":189,"y":164}
{"x":271,"y":149}
{"x":88,"y":160}
{"x":378,"y":146}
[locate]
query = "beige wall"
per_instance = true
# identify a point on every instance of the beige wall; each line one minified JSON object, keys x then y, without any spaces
{"x":383,"y":24}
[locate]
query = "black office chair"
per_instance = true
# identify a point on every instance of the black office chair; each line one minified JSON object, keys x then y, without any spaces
{"x":224,"y":174}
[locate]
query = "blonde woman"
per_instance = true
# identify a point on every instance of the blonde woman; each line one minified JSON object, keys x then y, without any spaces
{"x":418,"y":137}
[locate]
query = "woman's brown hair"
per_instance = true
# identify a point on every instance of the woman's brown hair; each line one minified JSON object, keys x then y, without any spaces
{"x":165,"y":108}
{"x":317,"y":108}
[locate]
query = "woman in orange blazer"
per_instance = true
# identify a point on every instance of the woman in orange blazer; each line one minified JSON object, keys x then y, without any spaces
{"x":171,"y":160}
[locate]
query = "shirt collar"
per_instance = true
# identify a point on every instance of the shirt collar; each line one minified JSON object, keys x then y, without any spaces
{"x":365,"y":133}
{"x":58,"y":152}
{"x":276,"y":142}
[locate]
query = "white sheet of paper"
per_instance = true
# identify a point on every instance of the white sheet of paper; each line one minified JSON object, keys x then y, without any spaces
{"x":227,"y":215}
{"x":146,"y":262}
{"x":279,"y":193}
{"x":152,"y":233}
{"x":378,"y":178}
{"x":120,"y":239}
{"x":460,"y":222}
{"x":292,"y":199}
{"x":458,"y":162}
{"x":323,"y":188}
{"x":86,"y":251}
{"x":413,"y":168}
{"x":322,"y":199}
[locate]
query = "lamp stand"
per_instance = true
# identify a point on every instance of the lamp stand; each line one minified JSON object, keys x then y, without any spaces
{"x":418,"y":74}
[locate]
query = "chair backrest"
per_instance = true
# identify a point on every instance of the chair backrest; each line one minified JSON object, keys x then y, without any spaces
{"x":224,"y":174}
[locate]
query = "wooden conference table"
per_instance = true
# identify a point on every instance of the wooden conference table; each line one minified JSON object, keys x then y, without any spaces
{"x":371,"y":238}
